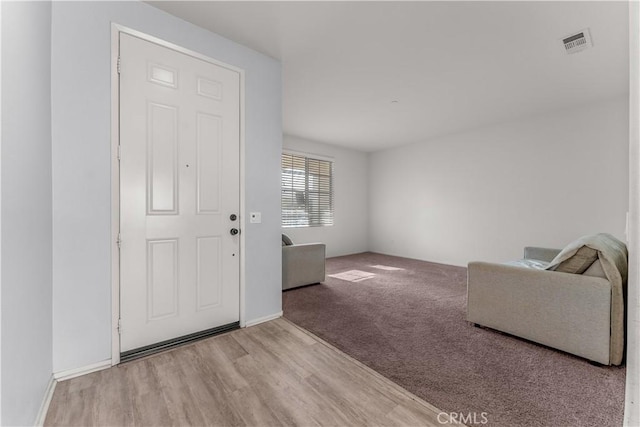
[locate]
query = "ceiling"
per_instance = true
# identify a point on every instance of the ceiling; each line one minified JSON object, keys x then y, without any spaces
{"x":450,"y":66}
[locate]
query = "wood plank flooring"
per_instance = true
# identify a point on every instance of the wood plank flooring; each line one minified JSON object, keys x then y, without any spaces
{"x":272,"y":374}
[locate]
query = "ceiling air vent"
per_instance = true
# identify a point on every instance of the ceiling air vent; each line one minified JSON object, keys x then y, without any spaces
{"x":577,"y":42}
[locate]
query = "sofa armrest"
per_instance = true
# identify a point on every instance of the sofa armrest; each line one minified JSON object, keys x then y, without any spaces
{"x":542,"y":254}
{"x":570,"y":312}
{"x":303,"y":264}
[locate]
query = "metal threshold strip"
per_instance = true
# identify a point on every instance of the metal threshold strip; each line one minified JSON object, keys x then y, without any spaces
{"x":148,"y":350}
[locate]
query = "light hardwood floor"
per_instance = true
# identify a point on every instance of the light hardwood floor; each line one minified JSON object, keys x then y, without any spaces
{"x":271,"y":374}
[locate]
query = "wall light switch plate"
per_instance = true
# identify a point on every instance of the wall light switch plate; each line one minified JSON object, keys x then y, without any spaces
{"x":255,"y":217}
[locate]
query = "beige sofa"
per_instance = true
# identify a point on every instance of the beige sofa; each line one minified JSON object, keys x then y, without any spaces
{"x":582,"y":314}
{"x":302,"y":264}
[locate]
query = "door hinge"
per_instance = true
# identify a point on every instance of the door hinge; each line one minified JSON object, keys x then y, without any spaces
{"x":118,"y":152}
{"x":119,"y":241}
{"x":118,"y":66}
{"x":119,"y":326}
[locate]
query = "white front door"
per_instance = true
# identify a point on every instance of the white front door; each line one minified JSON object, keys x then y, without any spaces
{"x":179,"y":193}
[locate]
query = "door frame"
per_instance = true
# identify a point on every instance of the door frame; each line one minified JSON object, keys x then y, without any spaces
{"x":116,"y":29}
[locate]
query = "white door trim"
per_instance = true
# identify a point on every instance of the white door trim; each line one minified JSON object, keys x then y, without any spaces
{"x":632,"y":392}
{"x":116,"y":29}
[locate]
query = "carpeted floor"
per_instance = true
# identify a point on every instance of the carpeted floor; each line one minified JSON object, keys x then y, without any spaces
{"x":409,"y":325}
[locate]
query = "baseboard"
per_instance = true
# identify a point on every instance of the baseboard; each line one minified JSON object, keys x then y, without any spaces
{"x":46,"y":400}
{"x":72,"y":373}
{"x":262,"y":319}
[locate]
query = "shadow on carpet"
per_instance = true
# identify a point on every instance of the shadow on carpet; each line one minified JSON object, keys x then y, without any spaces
{"x":409,"y":325}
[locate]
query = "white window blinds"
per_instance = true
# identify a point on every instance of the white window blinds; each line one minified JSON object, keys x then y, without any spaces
{"x":307,"y":191}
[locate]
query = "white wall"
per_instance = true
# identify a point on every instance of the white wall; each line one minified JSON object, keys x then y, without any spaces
{"x":348,"y":235}
{"x":26,"y":209}
{"x":485,"y":194}
{"x":81,"y":52}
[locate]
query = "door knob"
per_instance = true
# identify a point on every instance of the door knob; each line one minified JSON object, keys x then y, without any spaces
{"x":234,"y":231}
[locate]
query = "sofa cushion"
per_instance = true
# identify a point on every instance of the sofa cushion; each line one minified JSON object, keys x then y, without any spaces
{"x":595,"y":270}
{"x":578,"y":263}
{"x":535,"y":264}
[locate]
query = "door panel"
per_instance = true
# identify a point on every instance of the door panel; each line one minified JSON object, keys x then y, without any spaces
{"x":179,"y":179}
{"x":162,"y":279}
{"x":209,"y":138}
{"x":162,"y":159}
{"x":209,"y":280}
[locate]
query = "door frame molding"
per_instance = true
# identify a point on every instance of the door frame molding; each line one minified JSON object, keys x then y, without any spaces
{"x":116,"y":29}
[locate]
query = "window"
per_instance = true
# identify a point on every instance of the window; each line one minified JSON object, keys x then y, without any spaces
{"x":307,"y":191}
